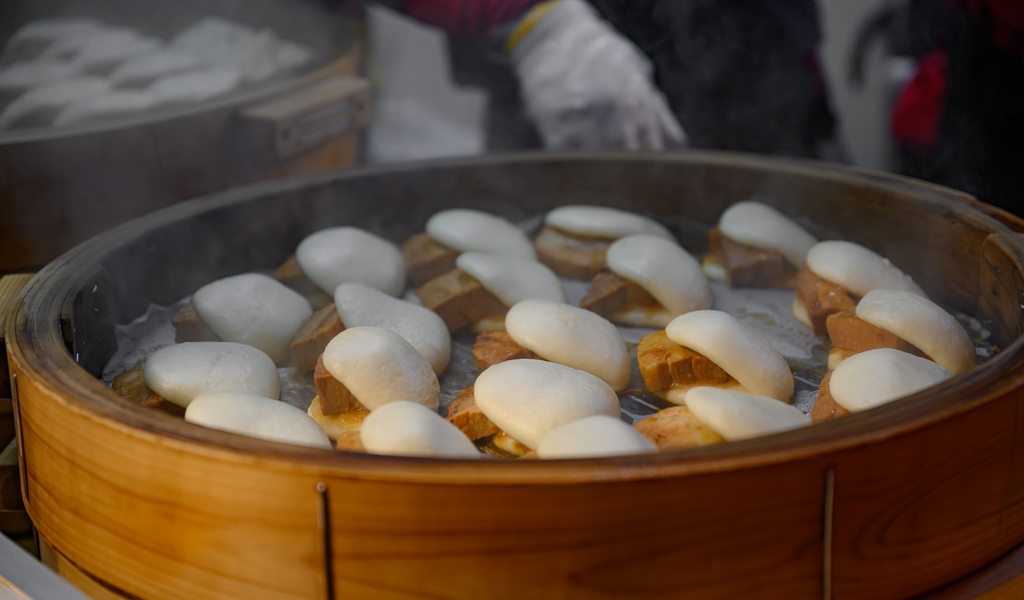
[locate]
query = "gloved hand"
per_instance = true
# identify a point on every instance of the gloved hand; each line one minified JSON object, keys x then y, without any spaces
{"x":586,"y":86}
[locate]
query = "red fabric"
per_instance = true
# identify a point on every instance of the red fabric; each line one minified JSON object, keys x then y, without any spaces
{"x":468,"y":18}
{"x":1004,"y":19}
{"x":918,"y":110}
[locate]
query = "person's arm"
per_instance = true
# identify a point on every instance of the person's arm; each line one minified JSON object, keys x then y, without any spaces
{"x":584,"y":84}
{"x":473,"y":19}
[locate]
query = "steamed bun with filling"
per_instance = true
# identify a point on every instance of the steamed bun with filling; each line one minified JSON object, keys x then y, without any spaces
{"x":181,"y":372}
{"x":528,"y":398}
{"x":571,"y":336}
{"x":599,"y":435}
{"x":410,"y":429}
{"x":331,"y":257}
{"x":378,"y":366}
{"x":255,"y":310}
{"x":256,"y":416}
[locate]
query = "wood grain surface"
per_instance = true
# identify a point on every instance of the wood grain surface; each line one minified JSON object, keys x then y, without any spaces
{"x":927,"y":490}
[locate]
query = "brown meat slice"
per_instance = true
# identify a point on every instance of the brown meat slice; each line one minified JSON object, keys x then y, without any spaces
{"x":189,"y":327}
{"x":313,"y":336}
{"x":825,"y":407}
{"x":335,"y":398}
{"x":459,"y":299}
{"x":426,"y":258}
{"x":821,"y":298}
{"x":290,"y":274}
{"x":849,"y":332}
{"x":467,"y":416}
{"x":571,"y":256}
{"x":677,"y":427}
{"x":350,"y":441}
{"x":493,"y":347}
{"x":609,"y":294}
{"x":748,"y":266}
{"x":664,"y":363}
{"x":132,"y":385}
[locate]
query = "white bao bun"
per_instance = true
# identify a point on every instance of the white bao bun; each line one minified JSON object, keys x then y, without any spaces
{"x":603,"y":222}
{"x":468,"y":230}
{"x":666,"y":271}
{"x":880,"y":376}
{"x":181,"y":372}
{"x":255,"y":310}
{"x":922,"y":323}
{"x":857,"y":269}
{"x":599,"y":435}
{"x":528,"y":398}
{"x":334,"y":256}
{"x":761,"y":226}
{"x":378,"y":366}
{"x":737,"y":416}
{"x":512,"y":280}
{"x":360,"y":305}
{"x":257,"y":417}
{"x":410,"y":429}
{"x":742,"y":352}
{"x":571,"y":336}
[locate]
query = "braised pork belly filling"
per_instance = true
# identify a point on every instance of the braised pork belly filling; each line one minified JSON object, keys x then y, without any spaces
{"x":746,"y":266}
{"x":313,"y":336}
{"x":572,"y":256}
{"x":609,"y":294}
{"x":851,"y":335}
{"x":826,"y":407}
{"x":132,"y":386}
{"x":460,"y":300}
{"x":426,"y":258}
{"x":676,"y":428}
{"x":189,"y":327}
{"x":819,"y":298}
{"x":494,"y":347}
{"x":464,"y":413}
{"x":665,"y":364}
{"x":290,"y":274}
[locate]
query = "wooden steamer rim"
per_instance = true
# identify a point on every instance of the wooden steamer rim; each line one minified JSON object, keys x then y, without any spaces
{"x":825,"y":555}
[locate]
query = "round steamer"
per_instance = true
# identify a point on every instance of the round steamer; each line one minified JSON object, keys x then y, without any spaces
{"x":139,"y":504}
{"x":156,"y":157}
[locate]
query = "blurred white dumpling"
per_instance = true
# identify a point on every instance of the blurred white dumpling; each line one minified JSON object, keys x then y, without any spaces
{"x":17,"y":78}
{"x":147,"y":68}
{"x":195,"y":86}
{"x":113,"y":104}
{"x":102,"y":53}
{"x":255,"y":54}
{"x":39,"y":106}
{"x":33,"y":38}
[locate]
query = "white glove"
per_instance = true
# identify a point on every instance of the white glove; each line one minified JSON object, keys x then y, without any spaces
{"x":587,"y":86}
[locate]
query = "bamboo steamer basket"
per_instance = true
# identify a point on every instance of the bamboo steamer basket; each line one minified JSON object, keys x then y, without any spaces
{"x":899,"y":501}
{"x":61,"y":186}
